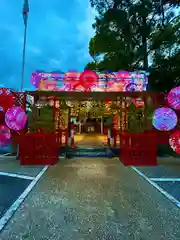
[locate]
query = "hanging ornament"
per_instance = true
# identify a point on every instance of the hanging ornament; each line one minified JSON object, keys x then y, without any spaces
{"x":174,"y":141}
{"x":88,"y":78}
{"x":164,"y":119}
{"x":15,"y":118}
{"x":131,"y":87}
{"x":174,"y":98}
{"x":7,"y":99}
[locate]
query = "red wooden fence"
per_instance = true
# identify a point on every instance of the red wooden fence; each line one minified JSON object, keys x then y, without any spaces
{"x":39,"y":148}
{"x":138,"y":149}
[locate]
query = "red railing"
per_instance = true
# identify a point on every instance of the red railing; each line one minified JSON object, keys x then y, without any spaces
{"x":138,"y":149}
{"x":41,"y":148}
{"x":38,"y":149}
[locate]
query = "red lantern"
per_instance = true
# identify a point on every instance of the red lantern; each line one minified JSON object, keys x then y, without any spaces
{"x":174,"y":141}
{"x":7,"y":99}
{"x":88,"y":78}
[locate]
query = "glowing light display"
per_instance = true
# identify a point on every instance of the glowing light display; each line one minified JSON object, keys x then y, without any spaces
{"x":174,"y":98}
{"x":6,"y":99}
{"x":174,"y":141}
{"x":90,"y":81}
{"x":164,"y":119}
{"x":131,"y":87}
{"x":138,"y":102}
{"x":15,"y":118}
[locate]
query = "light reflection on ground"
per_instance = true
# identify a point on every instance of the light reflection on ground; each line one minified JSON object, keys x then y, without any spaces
{"x":97,"y":170}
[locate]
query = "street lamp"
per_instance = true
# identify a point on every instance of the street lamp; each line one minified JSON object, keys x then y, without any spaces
{"x":25,"y":18}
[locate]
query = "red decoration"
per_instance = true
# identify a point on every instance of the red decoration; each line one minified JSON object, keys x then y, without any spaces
{"x":174,"y":98}
{"x":7,"y":99}
{"x":138,"y":102}
{"x":174,"y":141}
{"x":88,"y":78}
{"x":72,"y":79}
{"x":107,"y":101}
{"x":123,"y":75}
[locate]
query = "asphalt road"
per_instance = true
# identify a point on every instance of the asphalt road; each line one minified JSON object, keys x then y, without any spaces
{"x":10,"y":189}
{"x":166,"y":176}
{"x":94,"y":199}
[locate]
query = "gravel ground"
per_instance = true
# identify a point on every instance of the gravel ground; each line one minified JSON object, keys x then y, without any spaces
{"x":93,"y":199}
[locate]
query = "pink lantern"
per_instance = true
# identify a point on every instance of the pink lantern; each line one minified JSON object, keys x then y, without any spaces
{"x":15,"y":118}
{"x":174,"y":98}
{"x":6,"y":99}
{"x":164,"y":119}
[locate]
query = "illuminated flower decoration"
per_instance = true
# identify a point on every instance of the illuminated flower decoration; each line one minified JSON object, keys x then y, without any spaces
{"x":174,"y":98}
{"x":71,"y":79}
{"x":174,"y":141}
{"x":88,"y":78}
{"x":15,"y":118}
{"x":131,"y":87}
{"x":7,"y":99}
{"x":123,"y":75}
{"x":72,"y":104}
{"x":164,"y":119}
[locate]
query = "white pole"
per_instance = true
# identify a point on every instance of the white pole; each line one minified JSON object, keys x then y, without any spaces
{"x":23,"y":58}
{"x":25,"y":12}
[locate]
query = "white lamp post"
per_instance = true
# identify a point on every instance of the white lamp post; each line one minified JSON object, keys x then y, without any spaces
{"x":25,"y":18}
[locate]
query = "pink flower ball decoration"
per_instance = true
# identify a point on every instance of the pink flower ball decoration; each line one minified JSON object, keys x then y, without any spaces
{"x":174,"y":98}
{"x":164,"y":119}
{"x":15,"y":118}
{"x":174,"y":141}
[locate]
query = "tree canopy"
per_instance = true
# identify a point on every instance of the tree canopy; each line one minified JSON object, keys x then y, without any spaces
{"x":138,"y":34}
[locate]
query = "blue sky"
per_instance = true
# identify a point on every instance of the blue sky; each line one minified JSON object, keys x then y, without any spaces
{"x":57,"y":38}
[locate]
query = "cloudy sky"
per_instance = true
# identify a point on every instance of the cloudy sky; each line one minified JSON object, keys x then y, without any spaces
{"x":57,"y":38}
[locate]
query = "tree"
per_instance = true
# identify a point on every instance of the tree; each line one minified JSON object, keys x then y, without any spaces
{"x":137,"y":35}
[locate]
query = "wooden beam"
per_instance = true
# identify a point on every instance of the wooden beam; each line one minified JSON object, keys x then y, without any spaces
{"x":89,"y":95}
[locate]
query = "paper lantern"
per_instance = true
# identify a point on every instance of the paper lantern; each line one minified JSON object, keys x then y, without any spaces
{"x":5,"y":133}
{"x":131,"y":87}
{"x":88,"y":78}
{"x":174,"y":141}
{"x":122,"y":75}
{"x":174,"y":98}
{"x":71,"y":79}
{"x":15,"y":118}
{"x":7,"y":99}
{"x":164,"y":119}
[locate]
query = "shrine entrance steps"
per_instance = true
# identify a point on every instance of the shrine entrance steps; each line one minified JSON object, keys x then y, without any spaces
{"x":88,"y":152}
